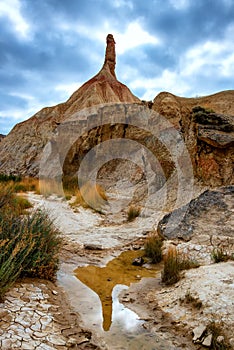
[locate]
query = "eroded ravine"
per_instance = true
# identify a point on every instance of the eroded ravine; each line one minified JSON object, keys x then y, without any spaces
{"x":93,"y":285}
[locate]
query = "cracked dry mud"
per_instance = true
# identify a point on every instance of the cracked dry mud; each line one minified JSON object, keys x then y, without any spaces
{"x":35,"y":315}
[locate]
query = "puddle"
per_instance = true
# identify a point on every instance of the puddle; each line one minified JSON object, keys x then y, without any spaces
{"x":102,"y":280}
{"x":94,"y":292}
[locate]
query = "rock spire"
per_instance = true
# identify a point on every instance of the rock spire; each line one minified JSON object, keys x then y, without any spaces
{"x":110,"y":56}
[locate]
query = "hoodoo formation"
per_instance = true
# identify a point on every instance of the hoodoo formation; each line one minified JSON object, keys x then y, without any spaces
{"x":209,"y":136}
{"x":20,"y":153}
{"x":110,"y":57}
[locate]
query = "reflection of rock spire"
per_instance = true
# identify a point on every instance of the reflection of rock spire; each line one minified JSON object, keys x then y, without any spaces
{"x":102,"y":280}
{"x":109,"y":62}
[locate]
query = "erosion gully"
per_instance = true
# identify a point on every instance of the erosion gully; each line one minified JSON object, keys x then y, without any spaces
{"x":93,"y":288}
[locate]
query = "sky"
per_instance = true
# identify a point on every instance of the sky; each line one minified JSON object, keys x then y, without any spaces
{"x":49,"y":48}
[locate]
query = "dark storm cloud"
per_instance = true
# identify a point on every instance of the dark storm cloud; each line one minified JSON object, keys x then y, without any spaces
{"x":62,"y":47}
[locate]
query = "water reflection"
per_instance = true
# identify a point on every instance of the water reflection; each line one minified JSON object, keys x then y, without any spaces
{"x":105,"y":281}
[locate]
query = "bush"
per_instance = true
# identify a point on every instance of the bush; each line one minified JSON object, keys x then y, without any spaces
{"x":216,"y":330}
{"x":133,"y":212}
{"x":10,"y":202}
{"x":9,"y":178}
{"x":171,"y":270}
{"x":218,"y":255}
{"x":29,"y":244}
{"x":27,"y":184}
{"x":28,"y":247}
{"x":6,"y":195}
{"x":20,"y":204}
{"x":153,"y":248}
{"x":174,"y":264}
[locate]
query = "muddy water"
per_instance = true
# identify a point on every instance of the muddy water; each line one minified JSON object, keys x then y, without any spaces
{"x":94,"y":291}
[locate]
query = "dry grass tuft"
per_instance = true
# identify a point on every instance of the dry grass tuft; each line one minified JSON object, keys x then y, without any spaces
{"x":91,"y":196}
{"x":174,"y":263}
{"x":153,"y":247}
{"x":133,"y":212}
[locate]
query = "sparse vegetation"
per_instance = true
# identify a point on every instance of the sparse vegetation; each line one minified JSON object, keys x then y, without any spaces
{"x":28,"y":243}
{"x":10,"y":201}
{"x":218,"y":339}
{"x":91,"y":196}
{"x":20,"y":184}
{"x":9,"y":178}
{"x":219,"y":255}
{"x":174,"y":263}
{"x":153,"y":248}
{"x":192,"y":300}
{"x":171,"y":270}
{"x":133,"y":212}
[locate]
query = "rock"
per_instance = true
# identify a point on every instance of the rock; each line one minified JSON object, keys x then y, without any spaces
{"x":56,"y":339}
{"x":138,"y":261}
{"x":27,"y":139}
{"x":207,"y":341}
{"x":198,"y":333}
{"x":231,"y":342}
{"x":27,"y":345}
{"x":82,"y":339}
{"x":209,"y":136}
{"x":207,"y":125}
{"x":4,"y":313}
{"x":92,"y":247}
{"x":2,"y":137}
{"x":220,"y":339}
{"x":71,"y":342}
{"x":209,"y":213}
{"x":6,"y":344}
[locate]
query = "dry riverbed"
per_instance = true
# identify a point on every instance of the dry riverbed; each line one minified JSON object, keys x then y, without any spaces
{"x":39,"y":314}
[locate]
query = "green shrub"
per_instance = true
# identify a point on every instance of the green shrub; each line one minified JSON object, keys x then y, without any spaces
{"x":11,"y":202}
{"x":29,"y":244}
{"x":153,"y":248}
{"x":133,"y":212}
{"x":19,"y":187}
{"x":20,"y":204}
{"x":9,"y":178}
{"x":218,"y":255}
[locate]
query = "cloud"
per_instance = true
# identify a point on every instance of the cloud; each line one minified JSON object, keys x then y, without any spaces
{"x":166,"y":81}
{"x":213,"y":58}
{"x":66,"y":90}
{"x":50,"y":47}
{"x":11,"y":9}
{"x":133,"y":37}
{"x":180,"y":4}
{"x":123,"y":3}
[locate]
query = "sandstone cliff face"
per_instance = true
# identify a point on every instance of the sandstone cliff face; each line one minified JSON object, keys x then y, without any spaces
{"x":20,"y":152}
{"x":208,"y":132}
